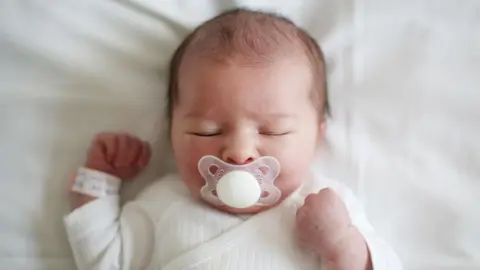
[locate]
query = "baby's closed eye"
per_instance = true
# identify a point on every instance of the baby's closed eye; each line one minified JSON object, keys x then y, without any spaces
{"x":276,"y":128}
{"x":203,"y":129}
{"x":205,"y":133}
{"x":274,"y":132}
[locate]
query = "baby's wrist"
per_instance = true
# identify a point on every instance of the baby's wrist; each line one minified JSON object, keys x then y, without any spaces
{"x":91,"y":183}
{"x":78,"y":200}
{"x":101,"y":167}
{"x":349,"y":253}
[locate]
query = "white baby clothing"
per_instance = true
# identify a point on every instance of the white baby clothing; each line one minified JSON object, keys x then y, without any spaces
{"x":166,"y":229}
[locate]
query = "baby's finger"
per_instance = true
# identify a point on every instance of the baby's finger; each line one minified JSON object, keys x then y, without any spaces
{"x":110,"y":147}
{"x":302,"y":215}
{"x":125,"y":143}
{"x":127,"y":151}
{"x":134,"y":152}
{"x":310,"y":199}
{"x":137,"y":151}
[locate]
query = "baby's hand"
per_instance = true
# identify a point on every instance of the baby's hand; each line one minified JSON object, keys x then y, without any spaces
{"x":323,"y":224}
{"x":119,"y":154}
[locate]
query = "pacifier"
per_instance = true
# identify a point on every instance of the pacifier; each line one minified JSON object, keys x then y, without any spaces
{"x":240,"y":186}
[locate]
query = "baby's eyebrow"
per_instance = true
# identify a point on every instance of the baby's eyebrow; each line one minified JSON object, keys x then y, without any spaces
{"x":197,"y":115}
{"x":194,"y":115}
{"x":279,"y":115}
{"x":273,"y":118}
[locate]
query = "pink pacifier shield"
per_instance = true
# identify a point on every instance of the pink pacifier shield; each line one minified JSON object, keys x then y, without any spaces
{"x":238,"y":189}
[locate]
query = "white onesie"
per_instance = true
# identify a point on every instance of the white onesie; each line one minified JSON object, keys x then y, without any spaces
{"x":165,"y":229}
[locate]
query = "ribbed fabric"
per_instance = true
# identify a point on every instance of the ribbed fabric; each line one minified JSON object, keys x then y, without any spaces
{"x":166,"y":229}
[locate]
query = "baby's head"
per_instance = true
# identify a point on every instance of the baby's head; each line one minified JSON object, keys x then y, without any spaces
{"x":243,"y":85}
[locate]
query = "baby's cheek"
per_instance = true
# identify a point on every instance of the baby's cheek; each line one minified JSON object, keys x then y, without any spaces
{"x":190,"y":175}
{"x":192,"y":151}
{"x":198,"y":148}
{"x":290,"y":179}
{"x":295,"y":169}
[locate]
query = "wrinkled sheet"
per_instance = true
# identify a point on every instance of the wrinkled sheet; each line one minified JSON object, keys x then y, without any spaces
{"x":404,"y":80}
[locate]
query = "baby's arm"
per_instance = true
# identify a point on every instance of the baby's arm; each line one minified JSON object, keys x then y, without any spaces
{"x":100,"y":234}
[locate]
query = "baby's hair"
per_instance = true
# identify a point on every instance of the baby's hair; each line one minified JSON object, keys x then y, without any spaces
{"x":249,"y":37}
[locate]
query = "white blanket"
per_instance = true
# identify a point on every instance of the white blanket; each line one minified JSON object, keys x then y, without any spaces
{"x":404,"y":86}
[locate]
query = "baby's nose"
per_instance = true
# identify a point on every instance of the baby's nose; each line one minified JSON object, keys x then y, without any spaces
{"x":239,"y":160}
{"x":239,"y":153}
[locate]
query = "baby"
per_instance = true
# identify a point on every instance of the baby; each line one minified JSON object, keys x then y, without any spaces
{"x":247,"y":101}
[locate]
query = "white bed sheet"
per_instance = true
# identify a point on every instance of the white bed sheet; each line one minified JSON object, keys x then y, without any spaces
{"x":404,"y":81}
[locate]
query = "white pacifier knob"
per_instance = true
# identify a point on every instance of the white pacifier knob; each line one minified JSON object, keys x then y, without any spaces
{"x":238,"y":189}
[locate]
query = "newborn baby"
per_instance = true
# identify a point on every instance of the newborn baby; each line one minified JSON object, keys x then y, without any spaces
{"x":247,"y":101}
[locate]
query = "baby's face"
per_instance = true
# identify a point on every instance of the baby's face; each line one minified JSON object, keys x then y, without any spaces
{"x":240,"y":113}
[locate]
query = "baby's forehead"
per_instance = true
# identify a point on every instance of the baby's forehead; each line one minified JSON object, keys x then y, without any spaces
{"x":269,"y":86}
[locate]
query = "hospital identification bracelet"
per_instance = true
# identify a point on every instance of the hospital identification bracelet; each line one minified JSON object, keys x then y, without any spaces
{"x":95,"y":183}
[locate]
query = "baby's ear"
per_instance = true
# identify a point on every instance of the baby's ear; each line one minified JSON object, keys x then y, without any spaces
{"x":323,"y":127}
{"x":322,"y":130}
{"x":321,"y":133}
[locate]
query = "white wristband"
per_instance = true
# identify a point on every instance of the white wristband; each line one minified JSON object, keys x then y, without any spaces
{"x":95,"y":183}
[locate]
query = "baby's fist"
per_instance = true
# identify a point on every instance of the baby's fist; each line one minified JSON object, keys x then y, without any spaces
{"x":119,"y":154}
{"x":323,"y":223}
